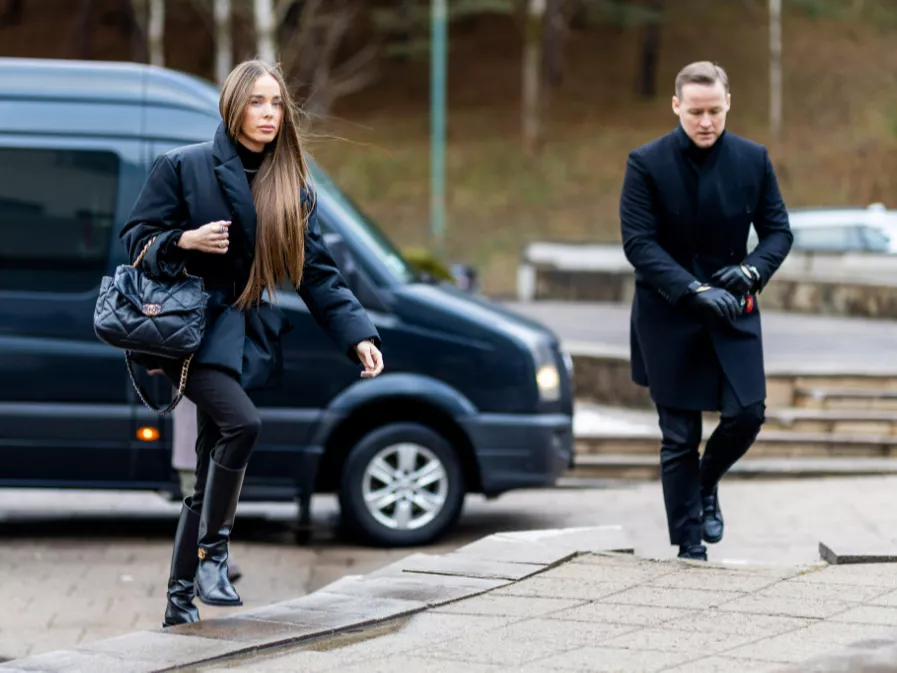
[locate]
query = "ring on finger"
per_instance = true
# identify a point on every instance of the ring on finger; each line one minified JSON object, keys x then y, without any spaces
{"x":221,"y":228}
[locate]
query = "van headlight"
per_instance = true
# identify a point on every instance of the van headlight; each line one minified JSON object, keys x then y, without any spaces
{"x":548,"y":381}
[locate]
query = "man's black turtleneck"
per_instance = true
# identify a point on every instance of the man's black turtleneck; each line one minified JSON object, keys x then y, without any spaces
{"x":251,"y":161}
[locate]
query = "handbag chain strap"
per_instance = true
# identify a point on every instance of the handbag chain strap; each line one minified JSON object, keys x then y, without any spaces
{"x":185,"y":367}
{"x":143,"y":252}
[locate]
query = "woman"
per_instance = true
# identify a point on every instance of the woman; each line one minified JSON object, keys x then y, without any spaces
{"x":239,"y":212}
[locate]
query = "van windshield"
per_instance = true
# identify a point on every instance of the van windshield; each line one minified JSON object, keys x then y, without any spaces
{"x":365,"y":230}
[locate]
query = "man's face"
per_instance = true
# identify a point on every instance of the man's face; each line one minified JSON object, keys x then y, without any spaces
{"x":702,"y":111}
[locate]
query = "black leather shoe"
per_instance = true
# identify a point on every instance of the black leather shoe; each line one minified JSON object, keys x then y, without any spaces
{"x":180,"y":608}
{"x":696,"y":552}
{"x":713,"y":518}
{"x":219,"y":508}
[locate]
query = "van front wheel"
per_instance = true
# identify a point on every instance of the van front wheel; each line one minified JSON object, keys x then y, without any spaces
{"x":402,"y":485}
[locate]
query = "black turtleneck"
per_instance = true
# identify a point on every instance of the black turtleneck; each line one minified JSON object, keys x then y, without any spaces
{"x":251,"y":161}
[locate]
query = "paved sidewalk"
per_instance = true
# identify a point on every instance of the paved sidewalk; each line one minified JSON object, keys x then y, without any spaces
{"x":528,"y":602}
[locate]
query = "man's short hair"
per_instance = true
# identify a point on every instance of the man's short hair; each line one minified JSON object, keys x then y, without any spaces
{"x":701,"y":72}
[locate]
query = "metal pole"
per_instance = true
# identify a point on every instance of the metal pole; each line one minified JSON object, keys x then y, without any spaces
{"x":438,"y":45}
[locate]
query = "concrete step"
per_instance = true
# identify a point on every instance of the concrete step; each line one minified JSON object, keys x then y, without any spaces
{"x":601,"y":430}
{"x":602,"y":375}
{"x":846,"y":398}
{"x":590,"y":468}
{"x":837,"y":421}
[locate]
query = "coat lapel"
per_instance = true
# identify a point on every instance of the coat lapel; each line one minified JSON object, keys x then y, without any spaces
{"x":232,"y":178}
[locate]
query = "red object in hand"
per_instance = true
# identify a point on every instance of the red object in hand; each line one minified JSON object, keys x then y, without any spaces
{"x":749,"y":304}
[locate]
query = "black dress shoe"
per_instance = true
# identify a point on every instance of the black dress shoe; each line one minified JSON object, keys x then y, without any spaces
{"x":713,"y":518}
{"x":696,"y":552}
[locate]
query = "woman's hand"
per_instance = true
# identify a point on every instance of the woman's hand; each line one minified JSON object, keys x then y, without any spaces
{"x":211,"y":238}
{"x":371,"y":358}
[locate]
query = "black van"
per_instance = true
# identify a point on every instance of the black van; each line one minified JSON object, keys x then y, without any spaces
{"x":475,"y":398}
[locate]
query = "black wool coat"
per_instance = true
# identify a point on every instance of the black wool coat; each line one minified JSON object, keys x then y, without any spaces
{"x":191,"y":186}
{"x":679,"y":227}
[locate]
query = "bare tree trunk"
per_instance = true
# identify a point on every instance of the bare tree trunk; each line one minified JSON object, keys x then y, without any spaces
{"x":224,"y":43}
{"x":264,"y":30}
{"x":156,"y":32}
{"x":647,"y":87}
{"x":775,"y":73}
{"x":135,"y":10}
{"x":554,"y":38}
{"x":532,"y":75}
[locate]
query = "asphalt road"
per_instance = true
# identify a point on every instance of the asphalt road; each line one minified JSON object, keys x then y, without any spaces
{"x":790,"y":341}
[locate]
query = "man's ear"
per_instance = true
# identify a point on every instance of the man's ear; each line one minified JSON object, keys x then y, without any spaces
{"x":728,"y":102}
{"x":675,"y":106}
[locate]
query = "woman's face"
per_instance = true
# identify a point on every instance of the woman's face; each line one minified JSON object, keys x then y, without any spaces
{"x":263,"y":114}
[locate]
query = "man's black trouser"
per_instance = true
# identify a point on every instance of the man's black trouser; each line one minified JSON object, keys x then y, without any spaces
{"x":685,"y":477}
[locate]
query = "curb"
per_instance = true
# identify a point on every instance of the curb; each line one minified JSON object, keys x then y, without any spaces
{"x":413,"y":584}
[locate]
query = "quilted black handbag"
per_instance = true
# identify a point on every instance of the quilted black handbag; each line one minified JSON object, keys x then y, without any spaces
{"x":158,"y":317}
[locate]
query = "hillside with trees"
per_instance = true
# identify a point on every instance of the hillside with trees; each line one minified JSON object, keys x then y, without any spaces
{"x":546,"y":97}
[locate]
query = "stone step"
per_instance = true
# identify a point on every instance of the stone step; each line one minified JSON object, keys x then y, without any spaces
{"x":845,"y":398}
{"x":629,"y":467}
{"x":836,"y":421}
{"x":601,"y":374}
{"x":770,"y":444}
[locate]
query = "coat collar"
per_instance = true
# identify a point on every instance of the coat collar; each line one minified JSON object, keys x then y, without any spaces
{"x":688,"y":149}
{"x":232,"y":178}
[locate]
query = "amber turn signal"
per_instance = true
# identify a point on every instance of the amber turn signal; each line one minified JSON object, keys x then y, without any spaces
{"x":148,"y":434}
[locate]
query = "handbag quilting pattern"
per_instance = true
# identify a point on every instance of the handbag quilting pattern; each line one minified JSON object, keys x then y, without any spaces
{"x":160,"y":317}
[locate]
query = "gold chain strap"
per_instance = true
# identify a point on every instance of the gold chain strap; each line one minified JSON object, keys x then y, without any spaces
{"x":143,"y":252}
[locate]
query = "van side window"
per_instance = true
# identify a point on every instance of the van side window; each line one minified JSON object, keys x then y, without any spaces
{"x":57,"y":211}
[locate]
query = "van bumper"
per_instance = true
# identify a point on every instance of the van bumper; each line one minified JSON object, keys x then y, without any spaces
{"x":520,"y":451}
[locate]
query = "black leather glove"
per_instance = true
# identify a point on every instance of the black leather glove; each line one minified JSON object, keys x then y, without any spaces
{"x":737,"y":279}
{"x":716,"y":301}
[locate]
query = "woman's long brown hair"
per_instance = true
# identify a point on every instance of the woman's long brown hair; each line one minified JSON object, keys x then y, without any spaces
{"x":282,"y":217}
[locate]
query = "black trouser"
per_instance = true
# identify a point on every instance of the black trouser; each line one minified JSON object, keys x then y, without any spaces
{"x":684,"y":477}
{"x":227,"y":422}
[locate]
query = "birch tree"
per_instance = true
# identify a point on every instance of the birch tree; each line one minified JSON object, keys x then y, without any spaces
{"x":224,"y":43}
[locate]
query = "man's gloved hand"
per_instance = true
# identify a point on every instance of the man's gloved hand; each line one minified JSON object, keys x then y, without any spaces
{"x":737,"y":279}
{"x":715,"y":300}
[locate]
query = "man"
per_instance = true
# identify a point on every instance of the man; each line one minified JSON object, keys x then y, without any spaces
{"x":686,"y":207}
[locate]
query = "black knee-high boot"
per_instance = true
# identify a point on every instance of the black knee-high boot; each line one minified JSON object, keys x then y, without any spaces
{"x":180,"y":608}
{"x":219,"y":508}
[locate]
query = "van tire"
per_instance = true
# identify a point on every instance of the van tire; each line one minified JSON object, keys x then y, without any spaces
{"x":430,"y":449}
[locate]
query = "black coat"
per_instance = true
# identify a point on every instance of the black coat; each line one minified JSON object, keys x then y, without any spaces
{"x":679,"y":227}
{"x":197,"y":184}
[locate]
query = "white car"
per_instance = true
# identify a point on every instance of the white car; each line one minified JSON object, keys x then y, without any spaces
{"x":872,"y":229}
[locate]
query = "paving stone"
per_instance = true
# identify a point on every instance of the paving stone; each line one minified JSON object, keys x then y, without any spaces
{"x":611,"y":538}
{"x":570,"y":634}
{"x":673,"y":598}
{"x":162,"y":648}
{"x":608,"y":659}
{"x":849,"y":660}
{"x":513,"y":606}
{"x":610,"y":613}
{"x":491,"y":648}
{"x":249,"y":631}
{"x":788,"y":607}
{"x":786,"y":648}
{"x":848,"y":593}
{"x":469,"y":566}
{"x":419,"y":587}
{"x":666,"y":639}
{"x":848,"y":633}
{"x":868,"y":614}
{"x":724,"y":664}
{"x":71,"y":661}
{"x":713,"y":580}
{"x":843,"y":552}
{"x":591,"y":571}
{"x":737,"y":623}
{"x":878,"y":575}
{"x":410,"y":663}
{"x":552,"y":587}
